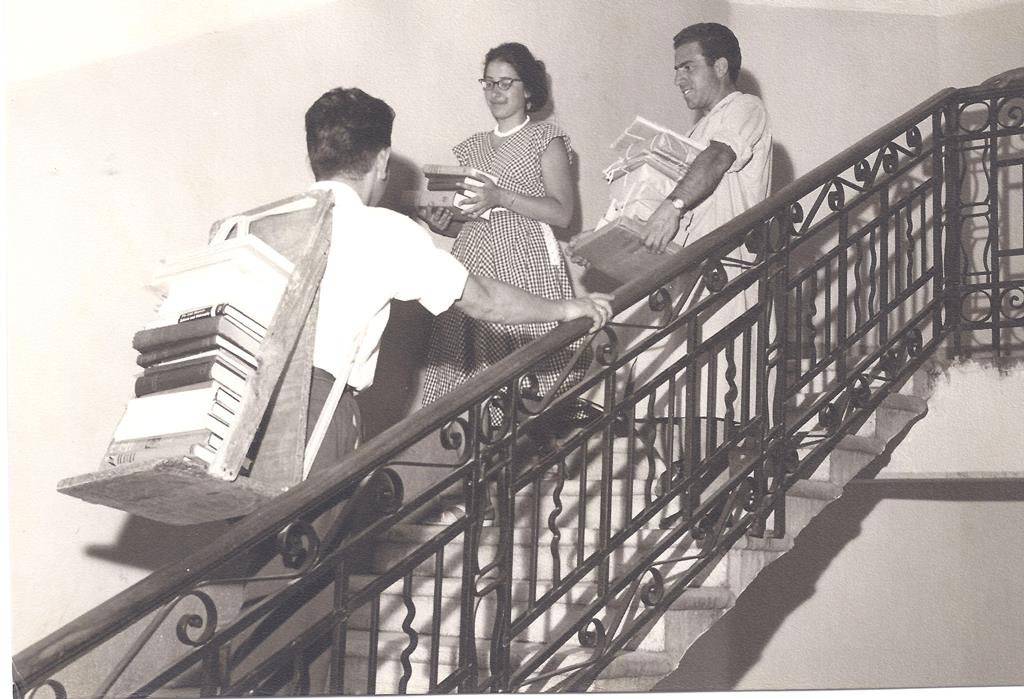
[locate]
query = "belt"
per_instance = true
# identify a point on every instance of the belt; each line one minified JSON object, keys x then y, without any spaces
{"x":325,"y":375}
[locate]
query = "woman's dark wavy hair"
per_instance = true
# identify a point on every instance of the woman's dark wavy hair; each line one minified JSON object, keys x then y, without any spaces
{"x":531,"y":71}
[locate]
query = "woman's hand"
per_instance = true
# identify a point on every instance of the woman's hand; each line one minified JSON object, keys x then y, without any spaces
{"x":437,"y":217}
{"x":485,"y":197}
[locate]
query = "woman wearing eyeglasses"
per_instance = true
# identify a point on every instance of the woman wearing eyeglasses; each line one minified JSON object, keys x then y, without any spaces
{"x":533,"y":192}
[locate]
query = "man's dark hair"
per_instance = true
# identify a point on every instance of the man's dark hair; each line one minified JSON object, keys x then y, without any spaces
{"x":345,"y":130}
{"x":716,"y":41}
{"x":530,"y":70}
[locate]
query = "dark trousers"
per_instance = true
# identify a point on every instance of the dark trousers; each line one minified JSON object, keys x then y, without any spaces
{"x":342,"y":438}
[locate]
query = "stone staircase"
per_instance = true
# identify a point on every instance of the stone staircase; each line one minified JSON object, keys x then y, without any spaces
{"x":658,"y":649}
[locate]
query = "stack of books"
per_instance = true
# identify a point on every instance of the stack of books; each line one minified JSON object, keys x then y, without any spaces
{"x":652,"y":160}
{"x":447,"y":188}
{"x":199,"y":352}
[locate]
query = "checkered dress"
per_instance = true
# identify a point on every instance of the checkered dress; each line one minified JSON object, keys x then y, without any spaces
{"x":511,"y":248}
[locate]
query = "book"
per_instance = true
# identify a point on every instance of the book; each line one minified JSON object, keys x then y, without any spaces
{"x":194,"y":346}
{"x":165,"y":335}
{"x":228,"y":311}
{"x":459,"y":181}
{"x":223,"y":356}
{"x":163,"y":377}
{"x":206,"y":406}
{"x":447,"y":188}
{"x":244,"y":272}
{"x":617,"y":250}
{"x":441,"y":172}
{"x":197,"y":444}
{"x":644,"y":135}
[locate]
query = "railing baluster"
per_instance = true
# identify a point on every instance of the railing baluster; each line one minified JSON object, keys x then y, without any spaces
{"x":827,"y":340}
{"x":374,"y":640}
{"x":410,"y":632}
{"x":842,"y":300}
{"x":710,"y":420}
{"x":938,"y":177}
{"x":747,"y":372}
{"x":435,"y":622}
{"x":339,"y":629}
{"x":993,"y":236}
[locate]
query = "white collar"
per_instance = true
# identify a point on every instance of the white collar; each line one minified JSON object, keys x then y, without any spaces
{"x":343,"y":192}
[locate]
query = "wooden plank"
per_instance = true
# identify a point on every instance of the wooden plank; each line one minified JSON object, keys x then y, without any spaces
{"x":168,"y":490}
{"x":278,"y":455}
{"x":282,"y":335}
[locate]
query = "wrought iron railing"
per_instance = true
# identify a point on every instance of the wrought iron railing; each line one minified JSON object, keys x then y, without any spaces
{"x":730,"y":373}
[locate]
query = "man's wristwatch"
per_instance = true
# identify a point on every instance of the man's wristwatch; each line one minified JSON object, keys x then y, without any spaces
{"x":679,"y":204}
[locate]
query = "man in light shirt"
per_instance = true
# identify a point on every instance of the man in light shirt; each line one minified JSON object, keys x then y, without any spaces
{"x":730,"y":175}
{"x":376,"y":255}
{"x":734,"y":171}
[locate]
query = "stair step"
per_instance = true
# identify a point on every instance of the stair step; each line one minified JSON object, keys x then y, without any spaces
{"x":636,"y":672}
{"x":391,"y":645}
{"x":895,"y":412}
{"x":805,"y":500}
{"x":393,"y":612}
{"x":389,"y":668}
{"x":581,"y":593}
{"x":735,"y":569}
{"x":803,"y":401}
{"x":851,"y":454}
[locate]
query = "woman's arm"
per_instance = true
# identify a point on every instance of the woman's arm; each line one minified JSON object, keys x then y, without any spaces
{"x":556,"y":208}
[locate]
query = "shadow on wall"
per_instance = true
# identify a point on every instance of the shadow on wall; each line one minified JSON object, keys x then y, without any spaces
{"x":150,"y":545}
{"x":782,"y":164}
{"x":721,"y":658}
{"x":403,"y":352}
{"x":731,"y":647}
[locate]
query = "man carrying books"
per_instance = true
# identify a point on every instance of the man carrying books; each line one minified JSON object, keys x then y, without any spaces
{"x":734,"y":172}
{"x":377,"y":255}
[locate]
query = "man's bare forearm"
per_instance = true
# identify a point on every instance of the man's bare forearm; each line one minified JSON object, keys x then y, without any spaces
{"x":498,"y":302}
{"x":704,"y":174}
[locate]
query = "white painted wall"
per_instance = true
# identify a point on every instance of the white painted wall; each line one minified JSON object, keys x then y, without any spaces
{"x":897,"y":584}
{"x":114,"y":164}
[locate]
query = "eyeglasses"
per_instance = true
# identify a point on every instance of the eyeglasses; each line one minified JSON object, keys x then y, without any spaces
{"x":503,"y":84}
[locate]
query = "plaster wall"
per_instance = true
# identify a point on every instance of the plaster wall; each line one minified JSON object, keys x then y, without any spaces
{"x":114,"y":164}
{"x":899,"y":583}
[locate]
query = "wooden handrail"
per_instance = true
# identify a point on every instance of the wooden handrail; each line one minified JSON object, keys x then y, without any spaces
{"x":45,"y":657}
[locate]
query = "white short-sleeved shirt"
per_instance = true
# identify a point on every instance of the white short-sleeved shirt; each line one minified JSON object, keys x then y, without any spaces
{"x":740,"y":121}
{"x":376,"y":255}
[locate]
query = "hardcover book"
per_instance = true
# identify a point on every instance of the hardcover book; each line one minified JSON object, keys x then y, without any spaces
{"x":207,"y":406}
{"x":166,"y":335}
{"x":195,"y":346}
{"x":223,"y":356}
{"x":455,"y":172}
{"x":447,"y":188}
{"x":194,"y":370}
{"x":197,"y":444}
{"x":236,"y":316}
